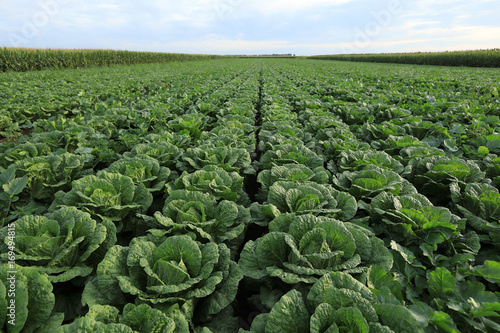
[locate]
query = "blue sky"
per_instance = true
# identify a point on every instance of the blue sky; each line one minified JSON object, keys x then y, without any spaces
{"x":302,"y":27}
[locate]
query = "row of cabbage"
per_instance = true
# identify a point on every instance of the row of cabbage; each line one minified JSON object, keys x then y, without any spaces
{"x":144,"y":238}
{"x":251,"y":196}
{"x":318,"y":268}
{"x":430,"y":201}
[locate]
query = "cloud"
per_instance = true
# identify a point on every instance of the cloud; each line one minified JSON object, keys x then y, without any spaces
{"x":414,"y":24}
{"x":258,"y":26}
{"x":267,"y":7}
{"x":109,"y":6}
{"x":210,"y":45}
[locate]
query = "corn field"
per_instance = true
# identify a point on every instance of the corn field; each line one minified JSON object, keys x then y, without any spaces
{"x":480,"y":58}
{"x":22,"y":60}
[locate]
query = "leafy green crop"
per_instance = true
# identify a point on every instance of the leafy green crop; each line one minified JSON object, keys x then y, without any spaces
{"x":291,"y":154}
{"x":413,"y":222}
{"x":336,"y":303}
{"x":64,"y":244}
{"x":164,"y":152}
{"x":249,"y":195}
{"x":479,"y":203}
{"x":309,"y":198}
{"x":23,"y":151}
{"x":298,"y":173}
{"x":306,"y":247}
{"x":436,"y":174}
{"x":372,"y":180}
{"x":31,"y":293}
{"x":142,"y":170}
{"x":359,"y":160}
{"x":178,"y":270}
{"x":48,"y":174}
{"x":107,"y":196}
{"x":229,"y":159}
{"x":11,"y":188}
{"x":203,"y":214}
{"x":212,"y":180}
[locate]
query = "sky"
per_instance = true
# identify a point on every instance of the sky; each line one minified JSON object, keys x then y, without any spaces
{"x":301,"y":27}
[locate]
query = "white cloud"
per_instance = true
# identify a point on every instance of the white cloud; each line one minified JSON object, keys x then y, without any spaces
{"x":411,"y":24}
{"x":479,"y":34}
{"x":280,"y":6}
{"x":457,"y":32}
{"x":259,"y":26}
{"x":110,"y":6}
{"x":214,"y":44}
{"x":116,"y":21}
{"x":235,"y":45}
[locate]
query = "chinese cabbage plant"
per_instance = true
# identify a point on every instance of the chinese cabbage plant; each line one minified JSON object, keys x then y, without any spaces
{"x":163,"y":272}
{"x":64,"y":244}
{"x":305,"y":247}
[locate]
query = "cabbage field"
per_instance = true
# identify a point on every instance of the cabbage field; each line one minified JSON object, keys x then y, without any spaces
{"x":250,"y":196}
